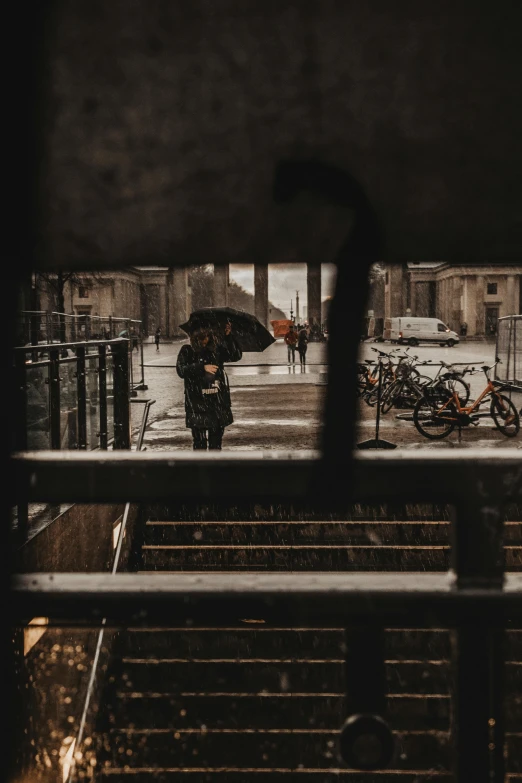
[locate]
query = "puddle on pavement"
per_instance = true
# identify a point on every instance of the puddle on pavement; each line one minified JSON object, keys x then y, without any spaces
{"x":262,"y":422}
{"x":167,"y":424}
{"x":276,"y":369}
{"x":162,"y":433}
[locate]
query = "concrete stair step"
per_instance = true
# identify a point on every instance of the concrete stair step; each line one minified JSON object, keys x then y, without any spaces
{"x":198,"y":533}
{"x":313,"y":749}
{"x":280,"y":513}
{"x":320,"y":532}
{"x":296,"y":558}
{"x":255,"y":641}
{"x":407,"y":712}
{"x":231,"y":775}
{"x":296,"y":675}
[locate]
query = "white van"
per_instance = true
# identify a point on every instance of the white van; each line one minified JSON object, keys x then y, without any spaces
{"x":413,"y":331}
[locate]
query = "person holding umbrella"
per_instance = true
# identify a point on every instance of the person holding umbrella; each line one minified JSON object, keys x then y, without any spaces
{"x":208,"y":406}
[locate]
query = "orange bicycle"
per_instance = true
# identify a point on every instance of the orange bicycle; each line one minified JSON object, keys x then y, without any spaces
{"x":439,"y":411}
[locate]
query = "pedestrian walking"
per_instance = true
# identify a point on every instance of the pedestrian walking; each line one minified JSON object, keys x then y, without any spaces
{"x":157,"y":335}
{"x":302,"y":345}
{"x":291,"y":343}
{"x":135,"y":339}
{"x":208,"y":408}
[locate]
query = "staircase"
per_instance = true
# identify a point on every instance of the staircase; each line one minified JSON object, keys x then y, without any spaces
{"x":255,"y":703}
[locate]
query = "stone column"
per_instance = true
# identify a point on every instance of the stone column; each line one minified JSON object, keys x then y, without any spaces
{"x":511,"y":295}
{"x":178,"y":297}
{"x":470,"y":313}
{"x":261,"y":292}
{"x":394,"y":303}
{"x":413,"y":295}
{"x":480,"y":301}
{"x":464,"y":301}
{"x":221,"y":282}
{"x":313,"y":283}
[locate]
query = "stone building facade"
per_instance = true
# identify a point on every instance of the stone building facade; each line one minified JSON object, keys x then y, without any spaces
{"x":470,"y":294}
{"x":156,"y":296}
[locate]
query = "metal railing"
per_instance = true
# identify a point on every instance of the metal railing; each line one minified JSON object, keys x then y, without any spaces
{"x":64,"y":379}
{"x":475,"y":598}
{"x":40,"y":328}
{"x":35,"y":326}
{"x":95,"y":673}
{"x":74,"y":396}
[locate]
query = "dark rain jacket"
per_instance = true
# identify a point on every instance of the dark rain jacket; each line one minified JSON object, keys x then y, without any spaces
{"x":207,"y":397}
{"x":302,"y":341}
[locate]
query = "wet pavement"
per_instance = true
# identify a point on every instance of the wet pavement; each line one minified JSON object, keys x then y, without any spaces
{"x":279,"y":406}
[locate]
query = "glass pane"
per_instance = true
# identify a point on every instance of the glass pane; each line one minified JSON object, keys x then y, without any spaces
{"x":110,"y":397}
{"x":38,"y":430}
{"x":93,"y":401}
{"x":68,"y":405}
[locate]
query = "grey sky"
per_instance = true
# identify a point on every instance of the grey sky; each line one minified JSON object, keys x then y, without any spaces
{"x":283,"y":281}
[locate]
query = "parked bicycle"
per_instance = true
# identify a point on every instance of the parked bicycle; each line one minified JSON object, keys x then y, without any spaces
{"x":410,"y":385}
{"x":439,"y":411}
{"x":368,"y":376}
{"x":407,"y":386}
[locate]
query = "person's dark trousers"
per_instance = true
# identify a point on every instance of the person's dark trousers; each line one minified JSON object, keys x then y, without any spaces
{"x":213,"y":439}
{"x":302,"y":355}
{"x":215,"y":436}
{"x":291,"y":352}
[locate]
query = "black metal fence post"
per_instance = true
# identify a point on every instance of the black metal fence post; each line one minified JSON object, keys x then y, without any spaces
{"x":102,"y":376}
{"x":20,"y":433}
{"x":82,"y":397}
{"x":478,"y":561}
{"x":122,"y":438}
{"x":54,"y":397}
{"x":366,"y":741}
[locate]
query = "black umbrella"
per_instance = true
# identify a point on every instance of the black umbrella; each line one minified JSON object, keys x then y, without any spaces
{"x":250,"y":333}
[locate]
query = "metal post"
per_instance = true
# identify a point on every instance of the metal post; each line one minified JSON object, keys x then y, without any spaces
{"x":72,"y":429}
{"x":509,"y":377}
{"x":141,"y":386}
{"x":20,"y":433}
{"x":54,"y":397}
{"x":122,"y":438}
{"x":131,"y":359}
{"x":82,"y":397}
{"x":379,"y":393}
{"x":366,"y":741}
{"x":478,"y":561}
{"x":102,"y":375}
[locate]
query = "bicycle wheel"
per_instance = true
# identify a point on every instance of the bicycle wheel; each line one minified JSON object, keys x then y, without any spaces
{"x":362,"y":379}
{"x":505,"y":415}
{"x":371,"y":396}
{"x":414,"y":390}
{"x":373,"y":393}
{"x":429,"y":422}
{"x":390,"y":395}
{"x":458,"y":385}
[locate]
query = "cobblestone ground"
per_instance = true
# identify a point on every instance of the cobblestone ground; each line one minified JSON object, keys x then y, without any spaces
{"x":279,"y":406}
